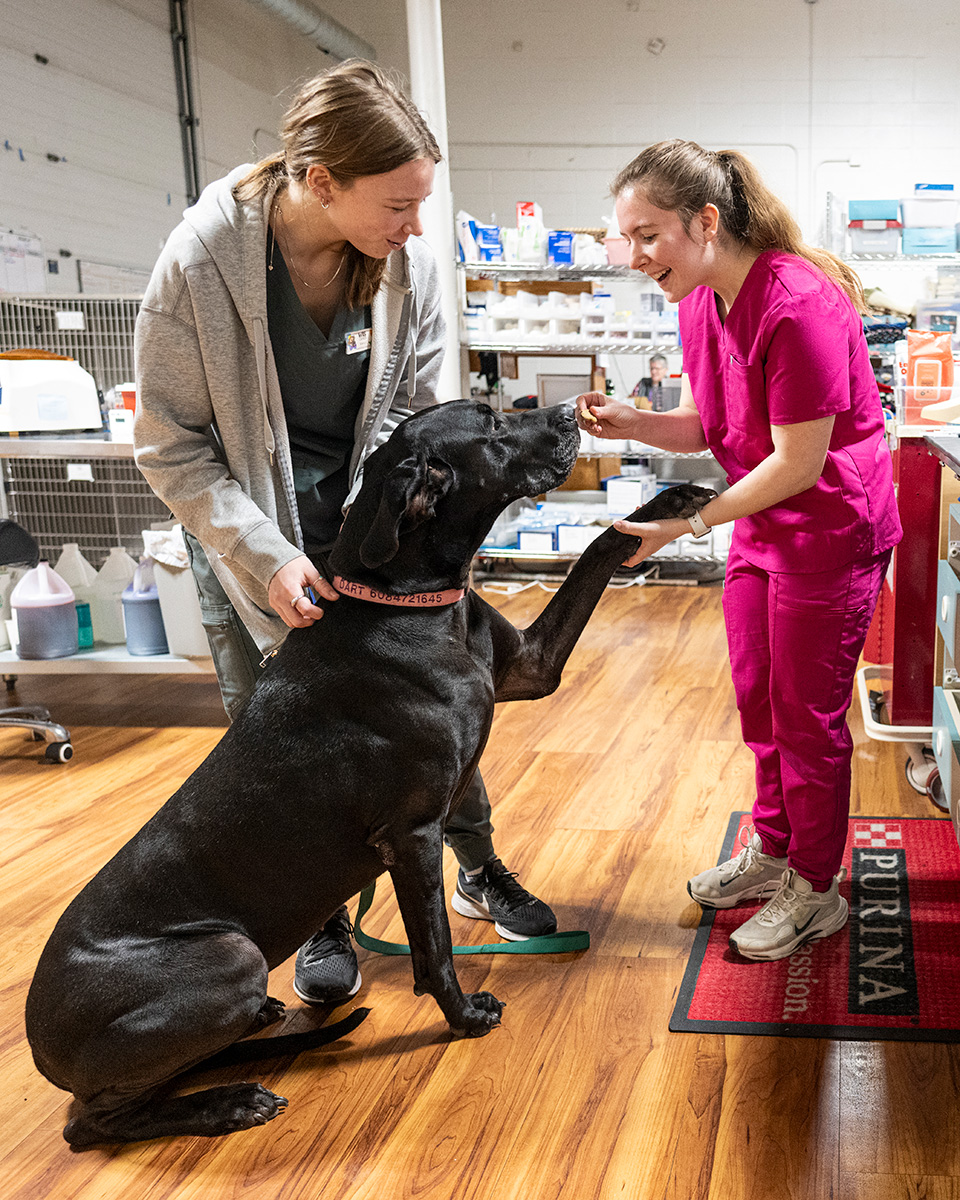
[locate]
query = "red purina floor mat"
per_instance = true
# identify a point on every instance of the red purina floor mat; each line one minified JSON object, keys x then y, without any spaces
{"x":892,"y":972}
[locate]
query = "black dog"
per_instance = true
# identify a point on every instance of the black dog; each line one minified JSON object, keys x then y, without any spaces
{"x":343,"y":765}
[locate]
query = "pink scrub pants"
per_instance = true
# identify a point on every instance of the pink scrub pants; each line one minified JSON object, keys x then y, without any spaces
{"x":795,"y":640}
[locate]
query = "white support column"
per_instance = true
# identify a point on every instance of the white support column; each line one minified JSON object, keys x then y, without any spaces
{"x":428,"y":91}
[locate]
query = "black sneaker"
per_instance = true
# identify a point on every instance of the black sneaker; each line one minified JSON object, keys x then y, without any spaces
{"x":326,"y":971}
{"x":494,"y":895}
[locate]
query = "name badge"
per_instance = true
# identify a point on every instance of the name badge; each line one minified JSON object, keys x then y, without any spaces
{"x":358,"y":341}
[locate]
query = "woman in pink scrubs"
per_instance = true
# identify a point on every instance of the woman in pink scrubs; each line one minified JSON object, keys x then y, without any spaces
{"x":778,"y":385}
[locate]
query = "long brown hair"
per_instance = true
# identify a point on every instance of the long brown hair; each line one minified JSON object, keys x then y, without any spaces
{"x":682,"y":177}
{"x":354,"y":121}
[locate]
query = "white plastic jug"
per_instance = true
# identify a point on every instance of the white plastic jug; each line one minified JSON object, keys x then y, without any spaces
{"x":7,"y":581}
{"x":46,"y":614}
{"x":81,"y":575}
{"x":106,"y":604}
{"x":74,"y":568}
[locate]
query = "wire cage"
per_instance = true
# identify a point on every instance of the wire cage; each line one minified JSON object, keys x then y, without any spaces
{"x":110,"y":508}
{"x":95,"y":330}
{"x":107,"y":502}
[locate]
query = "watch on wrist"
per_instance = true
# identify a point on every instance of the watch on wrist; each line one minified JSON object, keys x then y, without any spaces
{"x":698,"y":526}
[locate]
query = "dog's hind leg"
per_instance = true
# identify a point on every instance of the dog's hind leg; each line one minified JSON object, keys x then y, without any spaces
{"x":118,"y":1034}
{"x":208,"y":1113}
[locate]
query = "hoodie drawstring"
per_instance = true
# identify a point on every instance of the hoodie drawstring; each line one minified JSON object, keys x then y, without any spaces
{"x":260,"y":350}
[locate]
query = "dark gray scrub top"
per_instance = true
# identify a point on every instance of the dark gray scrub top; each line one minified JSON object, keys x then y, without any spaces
{"x":322,"y":388}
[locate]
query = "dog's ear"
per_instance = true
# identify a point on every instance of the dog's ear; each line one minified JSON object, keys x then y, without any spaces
{"x":409,"y":497}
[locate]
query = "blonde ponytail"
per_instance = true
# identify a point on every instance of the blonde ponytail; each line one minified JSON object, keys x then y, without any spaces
{"x":682,"y":177}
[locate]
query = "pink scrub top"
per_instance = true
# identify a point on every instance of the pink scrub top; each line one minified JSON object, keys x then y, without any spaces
{"x":792,"y":349}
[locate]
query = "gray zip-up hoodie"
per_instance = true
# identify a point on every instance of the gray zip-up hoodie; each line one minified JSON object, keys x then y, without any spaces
{"x":210,"y":433}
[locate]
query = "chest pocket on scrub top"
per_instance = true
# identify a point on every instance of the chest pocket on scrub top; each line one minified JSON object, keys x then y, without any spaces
{"x":745,"y":400}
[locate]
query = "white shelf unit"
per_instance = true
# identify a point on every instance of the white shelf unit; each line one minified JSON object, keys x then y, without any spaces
{"x":110,"y":508}
{"x":102,"y":659}
{"x":561,"y":325}
{"x":906,"y":260}
{"x":538,"y":333}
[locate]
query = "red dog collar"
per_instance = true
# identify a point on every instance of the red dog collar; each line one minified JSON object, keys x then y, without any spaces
{"x":360,"y":591}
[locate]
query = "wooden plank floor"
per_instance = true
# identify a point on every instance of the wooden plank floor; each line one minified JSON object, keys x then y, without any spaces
{"x":607,"y":796}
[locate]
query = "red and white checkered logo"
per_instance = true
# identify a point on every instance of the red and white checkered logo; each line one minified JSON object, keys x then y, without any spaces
{"x":877,"y":835}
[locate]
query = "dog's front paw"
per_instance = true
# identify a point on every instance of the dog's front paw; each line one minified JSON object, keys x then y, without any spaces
{"x":681,"y":501}
{"x":481,"y":1013}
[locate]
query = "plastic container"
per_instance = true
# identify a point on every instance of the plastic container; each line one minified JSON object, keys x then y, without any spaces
{"x":929,"y":211}
{"x":81,"y":575}
{"x":618,"y":251}
{"x":942,"y":316}
{"x":7,"y":581}
{"x":874,"y":241}
{"x":141,"y":613}
{"x":926,"y":240}
{"x":873,"y":210}
{"x":46,"y":614}
{"x":106,"y":603}
{"x":177,"y":590}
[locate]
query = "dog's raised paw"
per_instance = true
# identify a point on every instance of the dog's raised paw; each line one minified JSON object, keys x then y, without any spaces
{"x":681,"y":501}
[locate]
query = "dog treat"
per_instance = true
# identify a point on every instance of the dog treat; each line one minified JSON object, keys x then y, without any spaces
{"x":588,"y":416}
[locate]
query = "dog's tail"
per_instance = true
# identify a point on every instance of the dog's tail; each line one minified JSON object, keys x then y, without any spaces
{"x":286,"y":1044}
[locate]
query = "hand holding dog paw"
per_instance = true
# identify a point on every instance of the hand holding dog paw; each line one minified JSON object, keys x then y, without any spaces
{"x":654,"y":534}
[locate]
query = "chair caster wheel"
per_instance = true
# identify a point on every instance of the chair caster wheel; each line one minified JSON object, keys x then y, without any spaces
{"x":59,"y":752}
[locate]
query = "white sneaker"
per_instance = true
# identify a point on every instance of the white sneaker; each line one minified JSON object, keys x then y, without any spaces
{"x":795,"y":915}
{"x":752,"y":875}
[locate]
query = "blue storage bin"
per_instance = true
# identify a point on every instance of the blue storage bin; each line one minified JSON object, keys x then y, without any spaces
{"x":948,"y":592}
{"x":929,"y":240}
{"x":873,"y":210}
{"x":946,"y":743}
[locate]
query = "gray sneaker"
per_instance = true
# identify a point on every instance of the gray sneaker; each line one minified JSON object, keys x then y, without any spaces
{"x":752,"y":875}
{"x":495,"y":895}
{"x":796,"y":914}
{"x":327,"y":971}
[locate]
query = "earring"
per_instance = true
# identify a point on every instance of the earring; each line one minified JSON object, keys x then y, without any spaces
{"x":324,"y":203}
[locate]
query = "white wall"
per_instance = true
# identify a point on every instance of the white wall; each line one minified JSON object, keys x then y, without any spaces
{"x":105,"y":106}
{"x":545,"y":101}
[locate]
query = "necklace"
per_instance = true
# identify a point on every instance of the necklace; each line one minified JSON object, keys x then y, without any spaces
{"x":289,"y":257}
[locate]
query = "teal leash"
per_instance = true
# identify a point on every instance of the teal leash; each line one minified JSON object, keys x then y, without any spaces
{"x":554,"y":943}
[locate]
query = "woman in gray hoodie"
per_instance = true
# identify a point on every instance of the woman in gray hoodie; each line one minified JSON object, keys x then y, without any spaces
{"x":292,"y":321}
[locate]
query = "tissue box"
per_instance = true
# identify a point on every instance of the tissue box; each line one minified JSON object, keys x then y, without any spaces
{"x":489,"y":246}
{"x":574,"y":539}
{"x":559,"y":246}
{"x":536,"y":541}
{"x":624,"y":494}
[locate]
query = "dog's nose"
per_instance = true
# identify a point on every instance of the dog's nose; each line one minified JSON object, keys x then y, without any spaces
{"x":567,"y":412}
